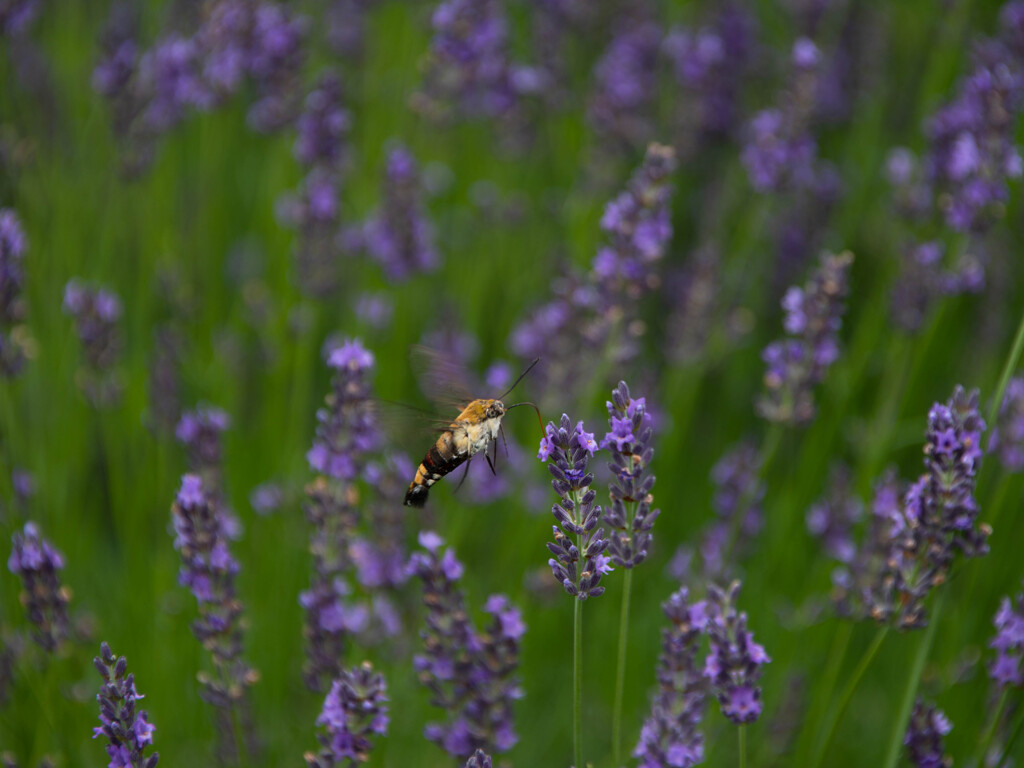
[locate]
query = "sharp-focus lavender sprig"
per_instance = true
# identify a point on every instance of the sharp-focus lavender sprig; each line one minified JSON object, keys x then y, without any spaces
{"x":468,"y":70}
{"x":96,"y":312}
{"x":399,"y":236}
{"x":833,"y":517}
{"x":924,"y":740}
{"x":781,"y":152}
{"x":737,"y":499}
{"x":209,"y":570}
{"x":797,"y":363}
{"x":471,"y":675}
{"x":670,"y":735}
{"x":626,"y":76}
{"x":355,"y":710}
{"x":37,"y":562}
{"x":1008,"y":643}
{"x":579,"y":559}
{"x":1007,"y":440}
{"x":127,"y":730}
{"x":13,"y":341}
{"x":629,"y":516}
{"x":709,"y":65}
{"x":733,"y":665}
{"x":346,"y":429}
{"x":479,"y":759}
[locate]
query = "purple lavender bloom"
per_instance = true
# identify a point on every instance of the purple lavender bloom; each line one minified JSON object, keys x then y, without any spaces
{"x":375,"y":309}
{"x":796,"y":364}
{"x":13,"y":340}
{"x":313,"y":212}
{"x":925,"y":732}
{"x":399,"y":236}
{"x":16,"y":16}
{"x":629,"y":516}
{"x":276,"y":57}
{"x":38,"y":563}
{"x":96,"y":312}
{"x":479,"y":759}
{"x":171,"y":75}
{"x":355,"y":710}
{"x":127,"y":730}
{"x":266,"y":498}
{"x":1007,"y":440}
{"x":832,"y":518}
{"x":579,"y":559}
{"x":208,"y":570}
{"x":346,"y":27}
{"x":733,"y":665}
{"x":625,"y":88}
{"x":346,"y":428}
{"x":1008,"y":643}
{"x":199,"y":432}
{"x":323,"y":127}
{"x":468,"y":71}
{"x":470,"y":674}
{"x":670,"y":735}
{"x":737,"y":500}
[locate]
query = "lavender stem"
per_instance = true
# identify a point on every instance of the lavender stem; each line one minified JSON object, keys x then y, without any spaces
{"x":1004,"y":379}
{"x":900,"y":727}
{"x":847,"y":695}
{"x":743,"y":746}
{"x":836,"y":655}
{"x":990,"y":733}
{"x":620,"y":667}
{"x":577,"y":678}
{"x":1017,"y":727}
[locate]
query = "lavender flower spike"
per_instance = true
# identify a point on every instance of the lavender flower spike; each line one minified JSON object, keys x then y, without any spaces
{"x":127,"y":730}
{"x":37,"y":562}
{"x":629,"y":516}
{"x":579,"y":559}
{"x":733,"y":665}
{"x":670,"y":735}
{"x":96,"y":312}
{"x":928,"y":725}
{"x":355,"y":710}
{"x":12,"y":305}
{"x":479,"y":759}
{"x":1007,"y":439}
{"x":1008,"y":643}
{"x":797,"y":363}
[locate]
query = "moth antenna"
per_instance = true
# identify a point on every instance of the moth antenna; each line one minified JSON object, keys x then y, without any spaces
{"x":521,"y":375}
{"x":532,"y":405}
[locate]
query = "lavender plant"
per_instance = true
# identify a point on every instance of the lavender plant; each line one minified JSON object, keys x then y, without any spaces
{"x":96,"y":312}
{"x":479,"y":759}
{"x":1007,"y":438}
{"x":470,"y":674}
{"x":14,"y":343}
{"x":739,"y":493}
{"x":209,"y":570}
{"x":924,"y":739}
{"x":127,"y":729}
{"x":833,"y":518}
{"x":795,"y":365}
{"x":355,"y":710}
{"x":38,"y":563}
{"x":1005,"y":670}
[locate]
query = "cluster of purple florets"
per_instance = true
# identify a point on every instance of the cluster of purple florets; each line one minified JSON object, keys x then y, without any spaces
{"x":1007,"y":440}
{"x":925,"y":734}
{"x":1008,"y":643}
{"x":96,"y":312}
{"x":626,"y":84}
{"x":126,"y":728}
{"x":355,"y":710}
{"x":739,"y":492}
{"x":38,"y":563}
{"x":200,"y":432}
{"x":833,"y":518}
{"x":470,"y":674}
{"x":12,"y":281}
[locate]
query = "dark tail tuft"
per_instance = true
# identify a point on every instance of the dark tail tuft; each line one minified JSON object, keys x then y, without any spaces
{"x":416,"y":496}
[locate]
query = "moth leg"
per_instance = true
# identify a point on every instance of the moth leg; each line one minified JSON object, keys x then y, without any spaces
{"x":504,"y":442}
{"x":465,"y":474}
{"x":491,"y":463}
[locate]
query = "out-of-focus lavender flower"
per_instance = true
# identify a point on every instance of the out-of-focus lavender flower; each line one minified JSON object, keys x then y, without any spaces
{"x":375,"y":309}
{"x":16,"y":16}
{"x":277,"y":54}
{"x":266,"y":498}
{"x":579,"y":559}
{"x":208,"y":570}
{"x":13,"y":341}
{"x":23,"y":483}
{"x":479,"y":759}
{"x":1007,"y":440}
{"x":737,"y":499}
{"x":399,"y":236}
{"x":693,"y":296}
{"x":470,"y":674}
{"x":355,"y":710}
{"x":37,"y":563}
{"x":625,"y":88}
{"x":322,"y":128}
{"x":629,"y":515}
{"x":468,"y":69}
{"x":199,"y":432}
{"x":127,"y":729}
{"x":1008,"y":643}
{"x":670,"y":735}
{"x":96,"y":312}
{"x":781,"y":152}
{"x":164,"y":382}
{"x":733,"y":665}
{"x":796,"y":364}
{"x":313,"y":212}
{"x":832,"y":518}
{"x":346,"y":428}
{"x":345,"y":22}
{"x":925,"y":732}
{"x":170,"y":74}
{"x":709,"y":65}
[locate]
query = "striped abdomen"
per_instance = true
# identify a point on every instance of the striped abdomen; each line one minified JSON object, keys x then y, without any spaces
{"x":443,"y":457}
